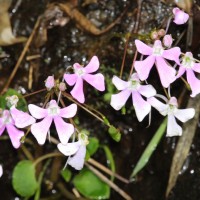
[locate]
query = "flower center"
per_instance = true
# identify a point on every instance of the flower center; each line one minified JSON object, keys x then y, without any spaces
{"x":83,"y":138}
{"x":133,"y":85}
{"x":172,"y":109}
{"x":187,"y":62}
{"x":157,"y":50}
{"x":53,"y":110}
{"x":80,"y":71}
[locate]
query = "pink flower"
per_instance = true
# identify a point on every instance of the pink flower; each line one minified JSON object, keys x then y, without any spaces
{"x":84,"y":73}
{"x":1,"y":171}
{"x":156,"y":54}
{"x":78,"y":149}
{"x":180,"y":17}
{"x":133,"y":86}
{"x":189,"y":66}
{"x":171,"y":110}
{"x":52,"y":113}
{"x":7,"y":122}
{"x":50,"y":82}
{"x":167,"y":41}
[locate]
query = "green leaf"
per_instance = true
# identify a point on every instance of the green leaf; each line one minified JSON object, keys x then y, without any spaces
{"x":150,"y":148}
{"x":89,"y":185}
{"x":106,"y":121}
{"x":66,"y":174}
{"x":23,"y":178}
{"x":114,"y":133}
{"x":93,"y":145}
{"x":110,"y":160}
{"x":21,"y":105}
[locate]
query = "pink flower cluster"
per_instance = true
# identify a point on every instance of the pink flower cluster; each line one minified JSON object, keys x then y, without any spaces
{"x":161,"y":55}
{"x":13,"y":120}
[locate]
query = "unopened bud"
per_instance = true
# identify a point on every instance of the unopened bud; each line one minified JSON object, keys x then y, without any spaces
{"x":167,"y":41}
{"x":50,"y":82}
{"x":62,"y":86}
{"x":161,"y":32}
{"x":154,"y":35}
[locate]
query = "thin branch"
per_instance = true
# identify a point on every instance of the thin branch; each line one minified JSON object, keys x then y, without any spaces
{"x":109,"y":182}
{"x":108,"y":171}
{"x":21,"y":56}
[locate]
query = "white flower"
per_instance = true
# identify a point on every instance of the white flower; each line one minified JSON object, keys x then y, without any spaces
{"x":171,"y":110}
{"x":78,"y":149}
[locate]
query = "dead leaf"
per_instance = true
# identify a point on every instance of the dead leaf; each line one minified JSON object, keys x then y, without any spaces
{"x":184,"y":144}
{"x":184,"y":4}
{"x":6,"y":35}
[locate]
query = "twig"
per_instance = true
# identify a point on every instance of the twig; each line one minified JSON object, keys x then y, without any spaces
{"x":108,"y":171}
{"x":68,"y":195}
{"x":132,"y":67}
{"x":21,"y":56}
{"x":36,"y":92}
{"x":109,"y":182}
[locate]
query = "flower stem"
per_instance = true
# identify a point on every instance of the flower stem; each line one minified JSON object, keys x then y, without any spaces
{"x":132,"y":67}
{"x":49,"y":155}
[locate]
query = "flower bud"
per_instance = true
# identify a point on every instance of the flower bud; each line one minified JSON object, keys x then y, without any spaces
{"x":62,"y":87}
{"x":161,"y":32}
{"x":154,"y":35}
{"x":167,"y":41}
{"x":180,"y":17}
{"x":50,"y":83}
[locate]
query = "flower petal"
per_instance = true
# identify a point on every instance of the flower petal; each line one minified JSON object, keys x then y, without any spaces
{"x":166,"y":72}
{"x":172,"y":54}
{"x":40,"y":129}
{"x":37,"y":112}
{"x":184,"y":114}
{"x":2,"y":127}
{"x":21,"y":119}
{"x":69,"y":149}
{"x":96,"y":80}
{"x":181,"y":71}
{"x":64,"y":129}
{"x":173,"y":129}
{"x":77,"y":161}
{"x":143,"y":67}
{"x":119,"y":100}
{"x":69,"y":111}
{"x":142,"y":107}
{"x":196,"y":67}
{"x":147,"y":90}
{"x":158,"y":105}
{"x":143,"y":48}
{"x":193,"y":82}
{"x":77,"y":91}
{"x":119,"y":83}
{"x":70,"y":78}
{"x":1,"y":170}
{"x":93,"y":65}
{"x":15,"y":135}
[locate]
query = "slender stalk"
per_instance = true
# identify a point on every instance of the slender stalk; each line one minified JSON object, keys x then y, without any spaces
{"x":108,"y":171}
{"x":21,"y":56}
{"x":36,"y":92}
{"x":132,"y":67}
{"x":124,"y":56}
{"x":27,"y":153}
{"x":83,"y":107}
{"x":49,"y":155}
{"x":109,"y":182}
